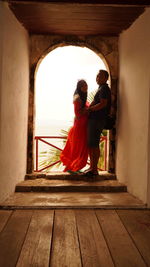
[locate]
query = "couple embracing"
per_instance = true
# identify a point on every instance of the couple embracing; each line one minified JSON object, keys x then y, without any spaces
{"x":89,"y":122}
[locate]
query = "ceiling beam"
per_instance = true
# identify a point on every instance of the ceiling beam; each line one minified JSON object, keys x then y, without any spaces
{"x":119,"y":3}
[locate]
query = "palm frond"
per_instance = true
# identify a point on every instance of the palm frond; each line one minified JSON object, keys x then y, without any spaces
{"x":64,"y":132}
{"x":53,"y":154}
{"x":91,"y":96}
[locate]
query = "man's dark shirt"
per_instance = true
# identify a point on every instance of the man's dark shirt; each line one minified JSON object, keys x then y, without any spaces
{"x":103,"y":92}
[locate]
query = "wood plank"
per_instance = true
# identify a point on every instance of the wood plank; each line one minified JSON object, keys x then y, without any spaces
{"x":94,"y":249}
{"x":36,"y":248}
{"x":12,"y":237}
{"x":85,"y":2}
{"x":65,"y":247}
{"x":4,"y":216}
{"x":122,"y":248}
{"x":88,"y":18}
{"x":137,"y":223}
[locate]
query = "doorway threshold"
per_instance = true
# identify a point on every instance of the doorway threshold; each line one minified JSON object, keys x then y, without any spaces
{"x":102,"y":175}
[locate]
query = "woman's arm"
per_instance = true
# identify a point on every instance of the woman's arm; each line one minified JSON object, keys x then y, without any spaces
{"x":78,"y":109}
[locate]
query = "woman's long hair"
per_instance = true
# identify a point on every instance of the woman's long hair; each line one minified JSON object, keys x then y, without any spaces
{"x":83,"y":95}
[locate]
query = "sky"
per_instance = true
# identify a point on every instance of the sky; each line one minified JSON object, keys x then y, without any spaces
{"x":56,"y":80}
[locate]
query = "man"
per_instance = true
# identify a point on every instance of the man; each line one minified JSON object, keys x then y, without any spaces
{"x":98,"y":111}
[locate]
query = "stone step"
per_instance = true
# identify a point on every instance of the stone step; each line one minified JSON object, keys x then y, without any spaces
{"x":103,"y":175}
{"x":71,"y":200}
{"x":54,"y":185}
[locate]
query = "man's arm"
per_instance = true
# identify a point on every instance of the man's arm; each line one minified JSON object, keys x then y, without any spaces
{"x":92,"y":103}
{"x":99,"y":106}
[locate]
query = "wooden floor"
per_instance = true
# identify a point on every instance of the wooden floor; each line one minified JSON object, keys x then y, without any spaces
{"x":74,"y":237}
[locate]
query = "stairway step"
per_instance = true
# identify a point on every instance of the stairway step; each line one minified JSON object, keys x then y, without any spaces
{"x":71,"y":200}
{"x":66,"y":176}
{"x":54,"y":185}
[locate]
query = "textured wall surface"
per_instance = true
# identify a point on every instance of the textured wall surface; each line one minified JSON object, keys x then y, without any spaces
{"x":134,"y":109}
{"x":14,"y":87}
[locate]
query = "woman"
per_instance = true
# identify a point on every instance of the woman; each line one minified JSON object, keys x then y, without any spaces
{"x":75,"y":154}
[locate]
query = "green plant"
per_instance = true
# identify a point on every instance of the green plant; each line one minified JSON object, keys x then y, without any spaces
{"x":53,"y":154}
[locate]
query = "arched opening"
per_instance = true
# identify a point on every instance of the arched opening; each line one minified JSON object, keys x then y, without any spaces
{"x":55,"y":81}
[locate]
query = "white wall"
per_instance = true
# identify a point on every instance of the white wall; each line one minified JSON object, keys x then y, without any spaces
{"x":14,"y":85}
{"x":133,"y":107}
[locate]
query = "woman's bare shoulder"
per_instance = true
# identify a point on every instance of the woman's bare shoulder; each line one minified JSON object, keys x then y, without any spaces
{"x":76,"y":98}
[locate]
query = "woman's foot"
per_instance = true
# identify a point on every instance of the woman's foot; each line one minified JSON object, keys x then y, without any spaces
{"x":71,"y":172}
{"x":74,"y":172}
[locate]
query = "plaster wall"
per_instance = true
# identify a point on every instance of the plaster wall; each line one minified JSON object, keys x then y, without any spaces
{"x":14,"y":87}
{"x":132,"y":154}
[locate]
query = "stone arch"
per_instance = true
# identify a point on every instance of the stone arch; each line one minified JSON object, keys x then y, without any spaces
{"x":105,"y":48}
{"x":79,"y":44}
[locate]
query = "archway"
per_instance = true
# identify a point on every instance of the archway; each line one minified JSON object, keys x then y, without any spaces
{"x":38,"y":51}
{"x":55,"y":83}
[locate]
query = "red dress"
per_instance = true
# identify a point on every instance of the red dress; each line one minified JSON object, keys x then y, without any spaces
{"x":75,"y":154}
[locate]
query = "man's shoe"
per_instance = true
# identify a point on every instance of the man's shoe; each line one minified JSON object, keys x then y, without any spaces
{"x":91,"y":174}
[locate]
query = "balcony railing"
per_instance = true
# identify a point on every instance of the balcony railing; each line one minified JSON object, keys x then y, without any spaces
{"x":42,"y":139}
